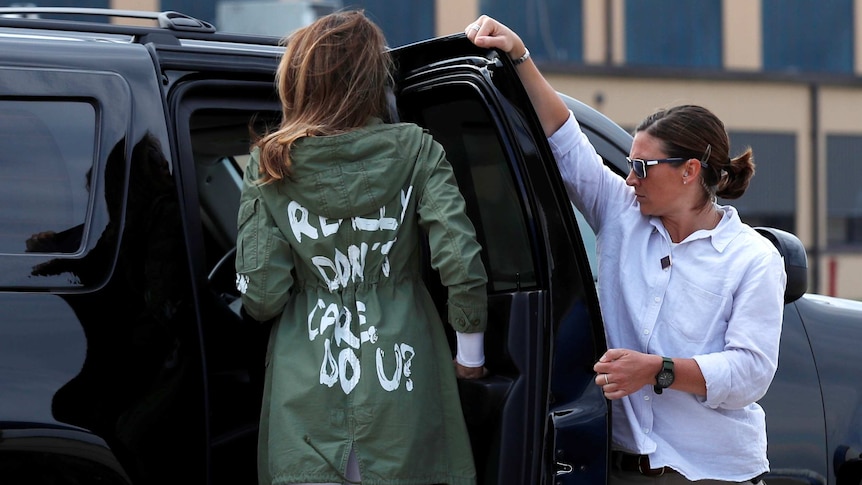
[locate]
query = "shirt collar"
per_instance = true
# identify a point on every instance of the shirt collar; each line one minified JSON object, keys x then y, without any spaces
{"x":728,"y":228}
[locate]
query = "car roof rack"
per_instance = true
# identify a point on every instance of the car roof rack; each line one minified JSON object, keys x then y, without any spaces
{"x":170,"y":20}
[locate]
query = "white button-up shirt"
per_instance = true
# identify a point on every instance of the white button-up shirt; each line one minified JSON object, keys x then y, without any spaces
{"x":720,"y":301}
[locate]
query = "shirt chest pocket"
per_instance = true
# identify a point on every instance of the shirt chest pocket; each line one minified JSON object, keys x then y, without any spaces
{"x":697,"y":315}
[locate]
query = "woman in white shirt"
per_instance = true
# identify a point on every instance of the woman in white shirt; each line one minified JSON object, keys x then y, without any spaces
{"x":692,"y":298}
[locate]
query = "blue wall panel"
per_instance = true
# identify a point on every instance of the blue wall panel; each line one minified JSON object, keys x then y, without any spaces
{"x":673,"y":33}
{"x":403,"y":22}
{"x":808,"y":35}
{"x":551,"y":29}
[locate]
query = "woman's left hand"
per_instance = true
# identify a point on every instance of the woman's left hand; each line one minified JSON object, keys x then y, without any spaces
{"x":621,"y":372}
{"x":464,"y":372}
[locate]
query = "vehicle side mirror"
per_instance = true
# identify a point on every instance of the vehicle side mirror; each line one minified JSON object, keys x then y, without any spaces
{"x":795,"y":261}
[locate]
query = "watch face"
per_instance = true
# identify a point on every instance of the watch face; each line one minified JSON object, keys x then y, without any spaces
{"x":664,"y":378}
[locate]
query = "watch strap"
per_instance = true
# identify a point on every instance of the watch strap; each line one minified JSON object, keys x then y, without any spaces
{"x":666,"y":366}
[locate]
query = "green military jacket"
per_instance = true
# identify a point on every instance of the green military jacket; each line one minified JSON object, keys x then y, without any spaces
{"x":359,"y":357}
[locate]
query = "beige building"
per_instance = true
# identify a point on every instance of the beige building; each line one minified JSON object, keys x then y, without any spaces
{"x":744,"y":97}
{"x":801,"y":117}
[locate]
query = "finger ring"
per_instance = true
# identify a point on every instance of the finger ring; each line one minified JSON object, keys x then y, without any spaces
{"x":606,"y":380}
{"x":475,"y":27}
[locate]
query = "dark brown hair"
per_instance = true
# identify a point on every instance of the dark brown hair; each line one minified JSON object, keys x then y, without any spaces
{"x":331,"y":79}
{"x":686,"y":131}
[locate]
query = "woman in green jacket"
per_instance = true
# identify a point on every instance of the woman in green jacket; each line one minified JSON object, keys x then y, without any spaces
{"x":360,"y":381}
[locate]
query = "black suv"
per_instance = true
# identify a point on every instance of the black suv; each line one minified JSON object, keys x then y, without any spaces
{"x":124,"y":358}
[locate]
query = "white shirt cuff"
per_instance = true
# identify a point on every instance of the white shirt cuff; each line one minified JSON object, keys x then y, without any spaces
{"x":471,"y":349}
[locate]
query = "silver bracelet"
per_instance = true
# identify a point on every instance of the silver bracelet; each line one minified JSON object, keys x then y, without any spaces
{"x":523,"y":58}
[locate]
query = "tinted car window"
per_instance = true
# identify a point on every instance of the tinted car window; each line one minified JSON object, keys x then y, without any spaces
{"x":589,"y":238}
{"x":461,"y":123}
{"x":44,"y":189}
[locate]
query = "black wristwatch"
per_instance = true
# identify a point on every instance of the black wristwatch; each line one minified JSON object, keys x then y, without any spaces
{"x":664,"y":378}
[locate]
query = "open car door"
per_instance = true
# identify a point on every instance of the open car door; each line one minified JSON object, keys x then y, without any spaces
{"x":537,"y":418}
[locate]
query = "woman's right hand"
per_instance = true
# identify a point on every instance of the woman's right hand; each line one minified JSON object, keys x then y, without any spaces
{"x":487,"y":32}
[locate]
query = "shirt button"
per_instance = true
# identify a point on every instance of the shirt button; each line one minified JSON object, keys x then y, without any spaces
{"x":646,"y":398}
{"x":646,"y":331}
{"x":657,"y":299}
{"x":646,"y":430}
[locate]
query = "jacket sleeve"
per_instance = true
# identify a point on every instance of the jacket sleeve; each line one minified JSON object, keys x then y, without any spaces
{"x":455,"y":251}
{"x":264,"y":261}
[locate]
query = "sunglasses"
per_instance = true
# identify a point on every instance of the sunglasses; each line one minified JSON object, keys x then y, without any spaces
{"x":639,"y":166}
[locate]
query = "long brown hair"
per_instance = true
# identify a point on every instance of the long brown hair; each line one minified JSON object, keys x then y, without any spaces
{"x":686,"y":131}
{"x":331,"y":79}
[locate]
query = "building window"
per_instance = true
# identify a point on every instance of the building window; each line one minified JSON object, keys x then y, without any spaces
{"x":808,"y":35}
{"x":843,"y":191}
{"x":771,"y":197}
{"x":673,"y":33}
{"x":551,"y":29}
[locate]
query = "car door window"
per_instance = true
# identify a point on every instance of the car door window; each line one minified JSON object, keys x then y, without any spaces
{"x":458,"y":119}
{"x":62,"y":153}
{"x":44,"y":190}
{"x":589,"y":238}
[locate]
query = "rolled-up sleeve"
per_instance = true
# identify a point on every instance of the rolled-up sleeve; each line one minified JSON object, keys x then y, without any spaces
{"x":742,"y":372}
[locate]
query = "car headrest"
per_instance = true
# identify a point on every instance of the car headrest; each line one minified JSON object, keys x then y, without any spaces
{"x":795,"y":261}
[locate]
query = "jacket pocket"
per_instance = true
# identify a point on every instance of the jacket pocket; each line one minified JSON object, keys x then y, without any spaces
{"x":247,"y":238}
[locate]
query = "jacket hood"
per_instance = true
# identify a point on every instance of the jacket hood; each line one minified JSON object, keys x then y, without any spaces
{"x":354,"y":173}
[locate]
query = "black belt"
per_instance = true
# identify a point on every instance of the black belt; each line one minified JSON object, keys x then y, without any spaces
{"x":628,"y":462}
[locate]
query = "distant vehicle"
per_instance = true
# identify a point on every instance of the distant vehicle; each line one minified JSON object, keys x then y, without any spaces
{"x":124,"y":358}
